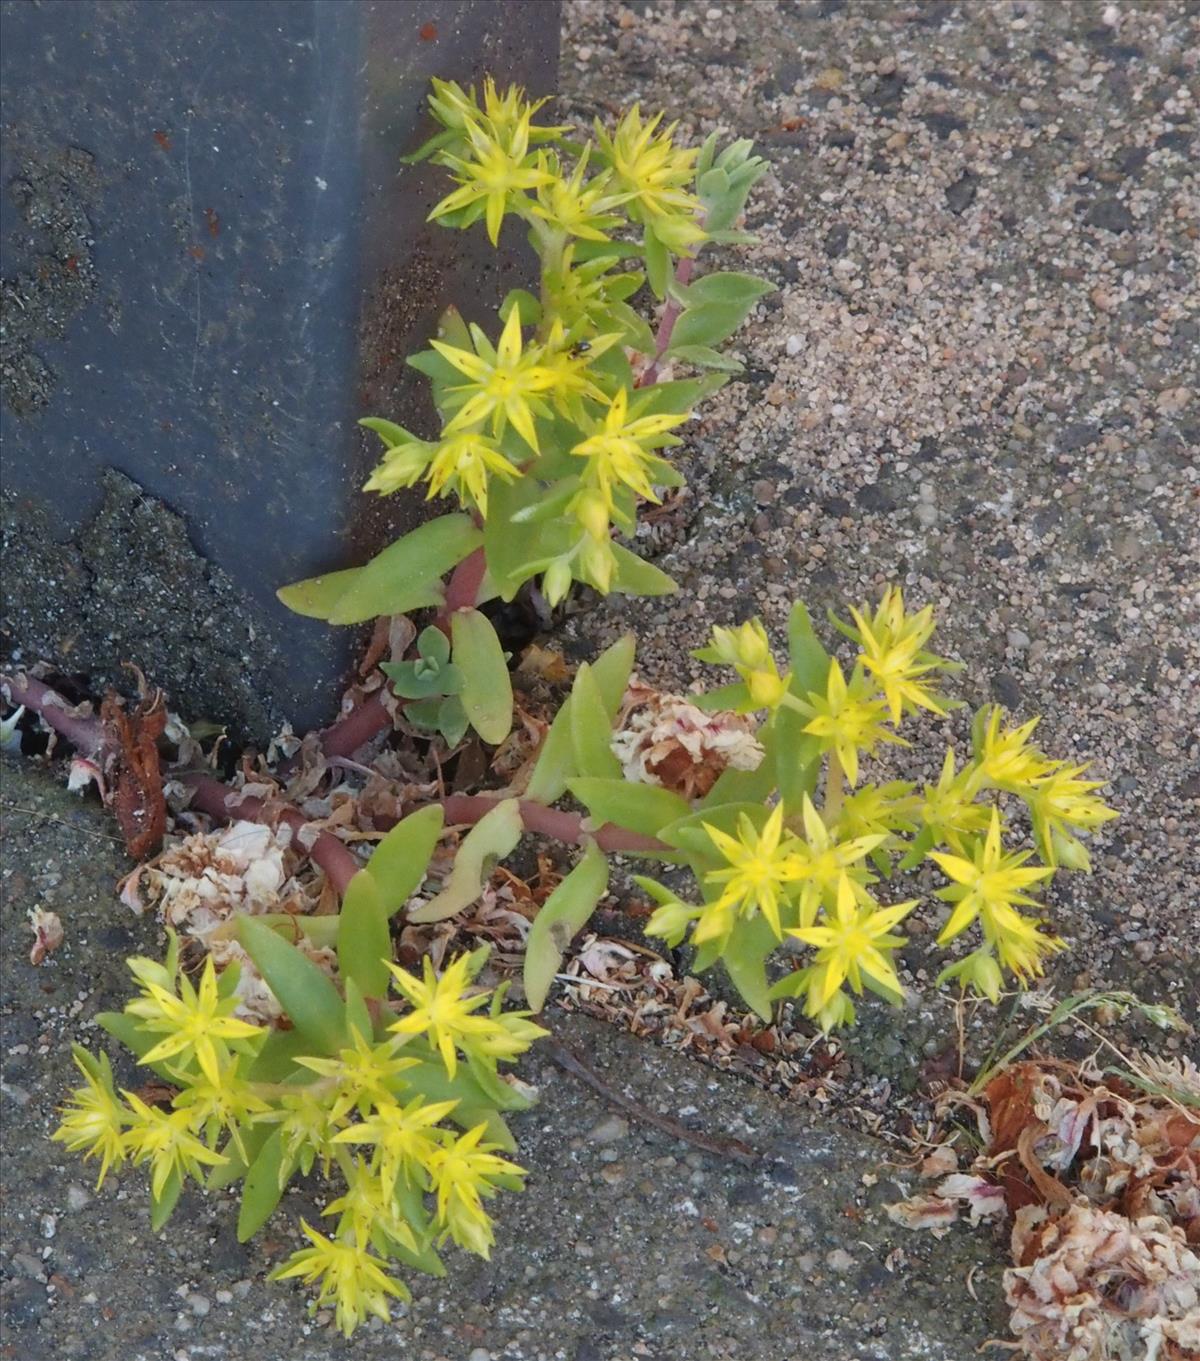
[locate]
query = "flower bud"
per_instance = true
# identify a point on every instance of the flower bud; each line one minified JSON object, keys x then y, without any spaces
{"x":767,"y":688}
{"x":556,"y":580}
{"x":591,"y":510}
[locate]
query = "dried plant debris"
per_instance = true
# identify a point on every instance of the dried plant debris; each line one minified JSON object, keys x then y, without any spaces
{"x":133,"y":775}
{"x":1102,"y":1177}
{"x":667,"y":740}
{"x":47,"y":933}
{"x":627,"y":984}
{"x":1092,"y":1284}
{"x":200,"y":884}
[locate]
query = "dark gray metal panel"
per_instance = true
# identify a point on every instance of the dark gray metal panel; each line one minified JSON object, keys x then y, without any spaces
{"x":214,"y":264}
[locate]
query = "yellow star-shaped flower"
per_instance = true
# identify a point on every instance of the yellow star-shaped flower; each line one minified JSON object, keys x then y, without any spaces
{"x":854,"y":941}
{"x":194,"y":1022}
{"x":441,"y":1009}
{"x":504,"y":386}
{"x":990,"y":878}
{"x":761,"y":866}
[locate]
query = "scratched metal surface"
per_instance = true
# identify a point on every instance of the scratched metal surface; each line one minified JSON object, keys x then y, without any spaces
{"x":216,"y":265}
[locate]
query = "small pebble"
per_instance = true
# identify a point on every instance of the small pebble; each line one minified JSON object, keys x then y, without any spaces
{"x":608,"y":1130}
{"x":77,"y":1197}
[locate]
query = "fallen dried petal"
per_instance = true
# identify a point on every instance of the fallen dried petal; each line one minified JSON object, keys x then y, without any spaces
{"x":47,"y":933}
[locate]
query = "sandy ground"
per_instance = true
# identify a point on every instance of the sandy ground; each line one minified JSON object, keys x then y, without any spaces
{"x":979,"y":378}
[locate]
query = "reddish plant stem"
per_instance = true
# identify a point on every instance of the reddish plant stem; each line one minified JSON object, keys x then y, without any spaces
{"x":224,"y":804}
{"x":470,"y":808}
{"x":348,"y":734}
{"x":666,"y":323}
{"x":209,"y":796}
{"x":462,"y":590}
{"x":85,"y":733}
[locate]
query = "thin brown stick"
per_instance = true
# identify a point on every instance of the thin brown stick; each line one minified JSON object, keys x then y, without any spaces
{"x":733,"y":1149}
{"x":51,"y":817}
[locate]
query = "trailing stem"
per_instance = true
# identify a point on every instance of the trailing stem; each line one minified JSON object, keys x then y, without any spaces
{"x":467,"y":809}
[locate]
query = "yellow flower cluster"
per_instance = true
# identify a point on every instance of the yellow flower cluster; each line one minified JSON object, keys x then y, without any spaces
{"x":652,"y":172}
{"x":813,"y":887}
{"x":551,"y":406}
{"x":808,"y":873}
{"x":370,"y":1095}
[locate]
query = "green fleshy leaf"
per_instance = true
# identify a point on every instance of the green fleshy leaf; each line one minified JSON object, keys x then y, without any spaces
{"x":304,"y":991}
{"x":809,"y":660}
{"x":276,"y":1060}
{"x":127,"y":1031}
{"x":400,"y":860}
{"x":679,"y":394}
{"x":518,"y":551}
{"x":922,"y":844}
{"x":688,"y":833}
{"x":729,"y":287}
{"x":162,"y":1207}
{"x":317,"y":597}
{"x":706,"y":956}
{"x":706,"y":358}
{"x":407,"y":575}
{"x":559,"y":918}
{"x":797,"y":758}
{"x":358,"y":1014}
{"x":591,"y":729}
{"x":364,"y":942}
{"x":746,"y":786}
{"x":745,"y":957}
{"x":486,"y":688}
{"x":528,"y":306}
{"x":389,"y":432}
{"x":708,"y":324}
{"x":430,"y":1080}
{"x":263,"y":1189}
{"x":735,"y":696}
{"x":635,"y":576}
{"x":452,"y":720}
{"x":320,"y":931}
{"x":492,"y":838}
{"x":553,"y":503}
{"x":434,"y":646}
{"x":428,"y":147}
{"x":640,"y":807}
{"x":235,"y":1167}
{"x":556,"y":762}
{"x":409,"y":684}
{"x":425,"y":714}
{"x":658,"y":264}
{"x":453,"y":330}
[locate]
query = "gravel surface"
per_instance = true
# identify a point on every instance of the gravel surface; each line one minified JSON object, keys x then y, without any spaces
{"x":979,"y":377}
